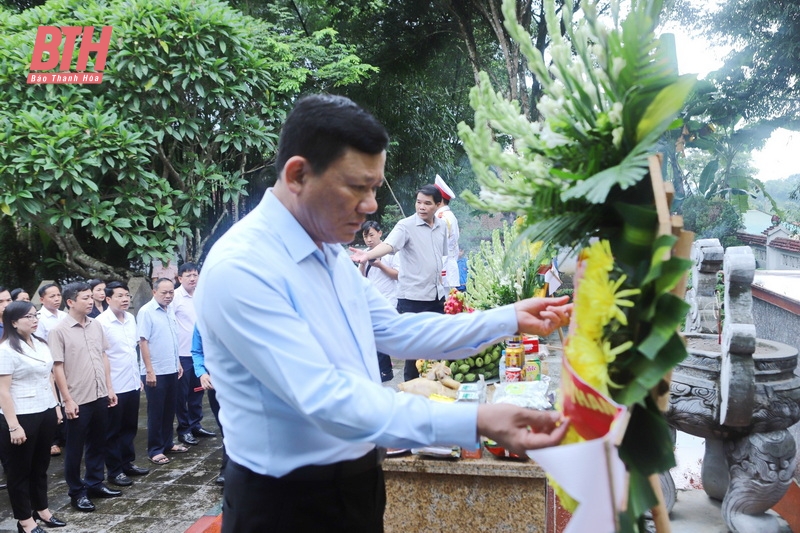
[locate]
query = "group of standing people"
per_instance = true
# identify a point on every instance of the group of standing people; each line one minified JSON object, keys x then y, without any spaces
{"x":83,"y":371}
{"x":417,"y":264}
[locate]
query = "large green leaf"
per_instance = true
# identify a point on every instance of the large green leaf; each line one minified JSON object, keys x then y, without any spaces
{"x":664,"y":107}
{"x":707,"y":175}
{"x":647,"y":373}
{"x":596,"y":188}
{"x":669,"y":312}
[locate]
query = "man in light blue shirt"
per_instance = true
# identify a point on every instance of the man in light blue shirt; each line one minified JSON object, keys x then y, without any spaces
{"x":160,"y":368}
{"x":292,"y":351}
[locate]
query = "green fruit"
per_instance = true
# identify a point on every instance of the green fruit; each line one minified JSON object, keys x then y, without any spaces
{"x":489,"y":366}
{"x":479,"y":362}
{"x":470,"y":377}
{"x":463,"y":369}
{"x":459,"y":377}
{"x":453,"y":367}
{"x":470,"y":361}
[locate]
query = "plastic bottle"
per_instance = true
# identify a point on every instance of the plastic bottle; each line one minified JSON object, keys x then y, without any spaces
{"x":502,"y":367}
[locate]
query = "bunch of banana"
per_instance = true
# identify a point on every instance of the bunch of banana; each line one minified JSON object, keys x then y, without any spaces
{"x":486,"y":363}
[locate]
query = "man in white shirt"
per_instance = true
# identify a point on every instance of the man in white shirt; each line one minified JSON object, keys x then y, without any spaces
{"x":119,"y":327}
{"x":189,"y":409}
{"x":49,"y":317}
{"x":50,"y":314}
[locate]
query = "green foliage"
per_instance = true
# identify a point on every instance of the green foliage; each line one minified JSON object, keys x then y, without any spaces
{"x":760,"y":74}
{"x":154,"y":157}
{"x":603,"y":109}
{"x":582,"y":171}
{"x":712,"y":218}
{"x":504,"y":269}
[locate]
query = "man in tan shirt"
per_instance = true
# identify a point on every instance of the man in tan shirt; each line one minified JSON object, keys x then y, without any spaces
{"x":83,"y":376}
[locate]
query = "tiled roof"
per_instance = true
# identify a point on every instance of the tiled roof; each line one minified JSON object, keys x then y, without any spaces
{"x":790,"y":245}
{"x":749,"y":238}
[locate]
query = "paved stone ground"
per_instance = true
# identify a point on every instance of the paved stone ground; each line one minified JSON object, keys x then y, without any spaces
{"x":169,"y":499}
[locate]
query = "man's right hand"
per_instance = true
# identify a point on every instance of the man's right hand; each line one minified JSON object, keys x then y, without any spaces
{"x":205,"y":381}
{"x":71,"y":408}
{"x":518,"y":429}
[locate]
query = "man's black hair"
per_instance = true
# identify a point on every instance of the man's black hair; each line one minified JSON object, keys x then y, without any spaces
{"x":370,"y":224}
{"x":44,"y":288}
{"x":187,"y":267}
{"x":431,"y":190}
{"x":322,"y":126}
{"x":71,"y":290}
{"x":115,"y":285}
{"x":159,"y":281}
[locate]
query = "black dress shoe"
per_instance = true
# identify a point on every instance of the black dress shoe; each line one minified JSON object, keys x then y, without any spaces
{"x":53,"y":522}
{"x":104,"y":492}
{"x":203,"y":432}
{"x":82,"y":503}
{"x":36,"y":529}
{"x":3,"y":485}
{"x":220,"y":480}
{"x":188,"y":438}
{"x":121,"y":480}
{"x":134,"y":470}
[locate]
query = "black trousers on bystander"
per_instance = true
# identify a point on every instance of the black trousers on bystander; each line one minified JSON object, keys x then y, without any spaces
{"x":416,"y":306}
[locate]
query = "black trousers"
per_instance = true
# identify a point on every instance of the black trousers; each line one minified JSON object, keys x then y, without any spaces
{"x":214,"y":404}
{"x":161,"y":401}
{"x":26,"y":468}
{"x":416,"y":306}
{"x":345,"y":497}
{"x":189,"y":404}
{"x":385,"y":366}
{"x":86,"y":438}
{"x":123,"y":422}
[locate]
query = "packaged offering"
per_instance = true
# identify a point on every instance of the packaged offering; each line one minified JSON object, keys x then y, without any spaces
{"x":532,"y":369}
{"x":530,"y":394}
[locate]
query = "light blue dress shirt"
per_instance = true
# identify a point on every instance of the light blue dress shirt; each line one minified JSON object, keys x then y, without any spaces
{"x":160,"y":329}
{"x":290,"y":334}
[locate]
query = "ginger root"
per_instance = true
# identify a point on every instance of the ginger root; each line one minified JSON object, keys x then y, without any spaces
{"x":426,"y":387}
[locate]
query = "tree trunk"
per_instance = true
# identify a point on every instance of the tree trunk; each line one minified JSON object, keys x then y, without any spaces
{"x":81,"y":262}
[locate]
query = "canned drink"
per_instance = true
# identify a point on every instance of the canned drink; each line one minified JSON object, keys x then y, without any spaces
{"x":514,"y":356}
{"x":532,"y":370}
{"x":513,"y":374}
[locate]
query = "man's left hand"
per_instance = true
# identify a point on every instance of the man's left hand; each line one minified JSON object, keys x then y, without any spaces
{"x":358,"y":256}
{"x":112,"y":398}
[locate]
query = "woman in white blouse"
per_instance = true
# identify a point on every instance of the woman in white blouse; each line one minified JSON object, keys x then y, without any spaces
{"x":29,"y":416}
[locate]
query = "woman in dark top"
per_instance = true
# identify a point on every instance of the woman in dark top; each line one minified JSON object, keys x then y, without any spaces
{"x":98,"y":296}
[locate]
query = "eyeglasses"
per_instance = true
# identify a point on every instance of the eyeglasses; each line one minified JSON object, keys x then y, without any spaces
{"x":30,"y":317}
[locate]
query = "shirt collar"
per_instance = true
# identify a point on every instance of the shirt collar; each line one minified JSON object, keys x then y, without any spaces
{"x":71,"y":322}
{"x":420,"y":222}
{"x":296,"y":240}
